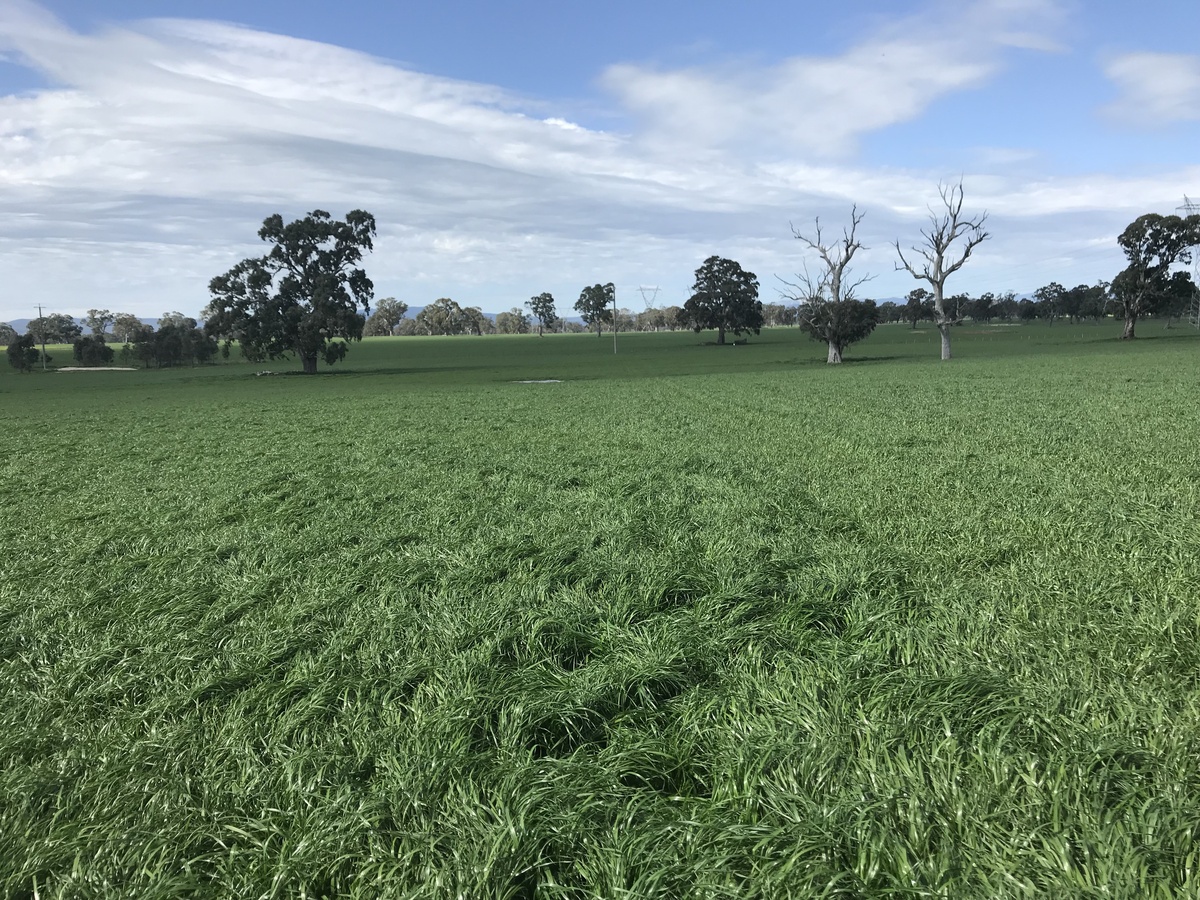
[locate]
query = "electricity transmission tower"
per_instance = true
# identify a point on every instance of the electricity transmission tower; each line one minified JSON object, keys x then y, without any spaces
{"x":649,"y":295}
{"x":652,"y":290}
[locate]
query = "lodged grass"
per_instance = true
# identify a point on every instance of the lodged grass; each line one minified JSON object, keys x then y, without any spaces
{"x":696,"y":621}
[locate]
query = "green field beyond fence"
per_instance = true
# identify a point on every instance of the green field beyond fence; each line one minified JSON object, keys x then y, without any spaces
{"x":694,"y":621}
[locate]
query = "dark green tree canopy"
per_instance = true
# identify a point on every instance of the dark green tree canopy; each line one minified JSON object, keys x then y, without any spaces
{"x":177,"y":342}
{"x":542,"y":308}
{"x":890,"y":311}
{"x":983,"y":307}
{"x":1175,"y":295}
{"x":304,"y":296}
{"x":1153,"y":244}
{"x":91,"y":350}
{"x":838,"y":323}
{"x":724,"y":297}
{"x":919,"y":306}
{"x":1083,"y":301}
{"x":829,"y":310}
{"x":595,"y":305}
{"x":22,"y":353}
{"x":56,"y":328}
{"x":8,"y":334}
{"x":1050,"y":300}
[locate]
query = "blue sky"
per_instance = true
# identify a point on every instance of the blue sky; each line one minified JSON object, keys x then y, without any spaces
{"x":511,"y":148}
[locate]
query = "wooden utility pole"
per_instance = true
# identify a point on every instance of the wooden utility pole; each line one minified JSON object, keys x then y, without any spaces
{"x":43,"y":338}
{"x":614,"y":322}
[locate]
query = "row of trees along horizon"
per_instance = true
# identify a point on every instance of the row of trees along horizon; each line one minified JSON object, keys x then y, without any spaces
{"x":304,"y":296}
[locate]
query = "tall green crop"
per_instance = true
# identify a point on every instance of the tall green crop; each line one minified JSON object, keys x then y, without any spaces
{"x":695,"y":621}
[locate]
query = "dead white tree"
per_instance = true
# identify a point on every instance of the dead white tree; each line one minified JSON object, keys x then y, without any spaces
{"x":936,"y":262}
{"x":823,"y":312}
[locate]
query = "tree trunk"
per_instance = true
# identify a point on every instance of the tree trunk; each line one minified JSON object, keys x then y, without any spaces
{"x":944,"y":328}
{"x":835,"y":354}
{"x":309,"y":361}
{"x":539,"y":331}
{"x":1130,"y":322}
{"x":914,"y":324}
{"x":720,"y":334}
{"x":599,"y":329}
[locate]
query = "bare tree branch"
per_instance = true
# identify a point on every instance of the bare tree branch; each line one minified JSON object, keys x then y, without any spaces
{"x":829,"y":310}
{"x":836,"y":258}
{"x":934,"y":261}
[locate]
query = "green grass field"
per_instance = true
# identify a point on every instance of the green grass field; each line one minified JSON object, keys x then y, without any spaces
{"x":697,"y":621}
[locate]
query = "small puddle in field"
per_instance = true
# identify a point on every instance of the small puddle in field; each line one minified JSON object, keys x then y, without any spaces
{"x":540,"y":381}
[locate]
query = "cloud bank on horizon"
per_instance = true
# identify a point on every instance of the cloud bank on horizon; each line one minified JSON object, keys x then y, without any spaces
{"x":147,"y":160}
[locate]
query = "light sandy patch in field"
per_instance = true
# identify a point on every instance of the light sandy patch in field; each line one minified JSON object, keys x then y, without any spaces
{"x":540,"y":381}
{"x":97,"y":369}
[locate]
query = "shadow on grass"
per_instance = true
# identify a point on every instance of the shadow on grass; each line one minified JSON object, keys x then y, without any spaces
{"x":854,"y":360}
{"x":1175,"y":336}
{"x":383,"y":370}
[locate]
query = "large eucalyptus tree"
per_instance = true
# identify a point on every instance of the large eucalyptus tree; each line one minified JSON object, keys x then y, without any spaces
{"x":303,"y":296}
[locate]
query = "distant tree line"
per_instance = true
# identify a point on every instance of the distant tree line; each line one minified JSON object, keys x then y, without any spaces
{"x":177,"y":341}
{"x":1050,"y":303}
{"x":303,"y":297}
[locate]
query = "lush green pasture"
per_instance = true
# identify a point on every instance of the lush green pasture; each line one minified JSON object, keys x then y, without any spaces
{"x":696,"y":622}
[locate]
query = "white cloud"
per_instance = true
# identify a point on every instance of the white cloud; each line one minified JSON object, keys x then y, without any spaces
{"x":1156,"y":88}
{"x":822,"y":105}
{"x":149,"y":165}
{"x":197,"y":91}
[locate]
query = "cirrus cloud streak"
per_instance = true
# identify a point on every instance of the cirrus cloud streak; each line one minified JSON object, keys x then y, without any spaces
{"x":147,"y":166}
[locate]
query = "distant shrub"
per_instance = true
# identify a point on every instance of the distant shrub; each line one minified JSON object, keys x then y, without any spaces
{"x":22,"y":354}
{"x":92,"y":351}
